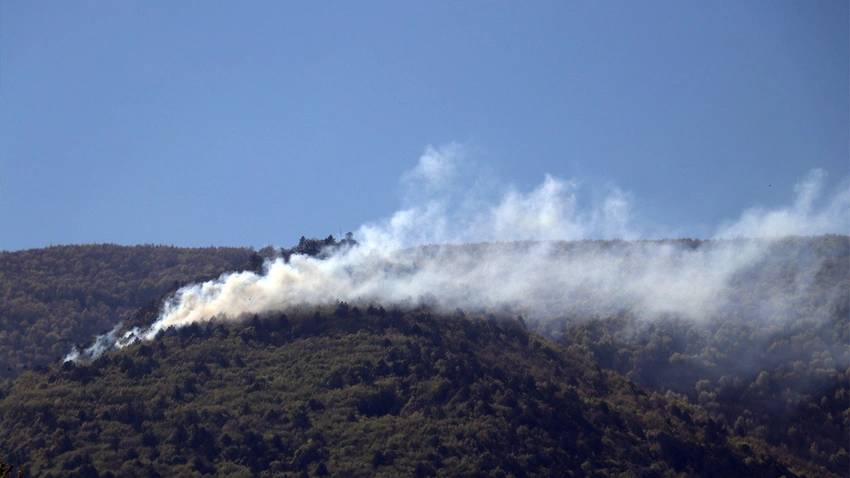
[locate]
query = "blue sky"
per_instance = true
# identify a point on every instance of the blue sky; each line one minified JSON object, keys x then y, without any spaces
{"x":254,"y":123}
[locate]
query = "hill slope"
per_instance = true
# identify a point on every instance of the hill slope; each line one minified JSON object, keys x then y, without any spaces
{"x":353,"y":392}
{"x":773,"y":362}
{"x":758,"y":385}
{"x":54,"y":297}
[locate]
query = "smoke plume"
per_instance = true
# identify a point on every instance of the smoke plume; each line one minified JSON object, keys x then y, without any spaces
{"x":483,"y":245}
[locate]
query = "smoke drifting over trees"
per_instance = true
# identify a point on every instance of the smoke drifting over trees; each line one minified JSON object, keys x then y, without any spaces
{"x":474,"y":304}
{"x":493,"y":247}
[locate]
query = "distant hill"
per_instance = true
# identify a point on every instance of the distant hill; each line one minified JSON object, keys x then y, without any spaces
{"x":760,"y":386}
{"x":363,"y":392}
{"x":55,"y":297}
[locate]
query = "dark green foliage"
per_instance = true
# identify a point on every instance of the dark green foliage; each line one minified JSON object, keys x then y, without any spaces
{"x":424,"y":395}
{"x":348,"y":389}
{"x":6,"y":470}
{"x":777,"y":371}
{"x":55,"y":297}
{"x":318,"y":247}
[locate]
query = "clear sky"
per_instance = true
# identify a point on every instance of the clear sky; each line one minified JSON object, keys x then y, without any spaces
{"x":254,"y":123}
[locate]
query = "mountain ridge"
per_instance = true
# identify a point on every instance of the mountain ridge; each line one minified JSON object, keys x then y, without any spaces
{"x":769,"y":368}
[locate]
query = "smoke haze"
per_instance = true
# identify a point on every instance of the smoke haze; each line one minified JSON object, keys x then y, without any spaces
{"x":472,"y":243}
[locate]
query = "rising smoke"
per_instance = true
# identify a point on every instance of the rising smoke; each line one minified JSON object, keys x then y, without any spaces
{"x":532,"y":256}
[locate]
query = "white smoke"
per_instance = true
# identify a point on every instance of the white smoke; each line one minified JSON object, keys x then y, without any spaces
{"x":103,"y":343}
{"x":801,"y":218}
{"x":521,"y":261}
{"x":443,"y":206}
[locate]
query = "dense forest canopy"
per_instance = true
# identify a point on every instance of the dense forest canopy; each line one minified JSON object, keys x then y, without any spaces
{"x":353,"y":391}
{"x":55,"y":297}
{"x":749,"y":335}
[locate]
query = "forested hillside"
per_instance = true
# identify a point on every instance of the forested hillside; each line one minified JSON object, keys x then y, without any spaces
{"x":363,"y":392}
{"x":753,"y":382}
{"x":773,"y":362}
{"x":55,"y":297}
